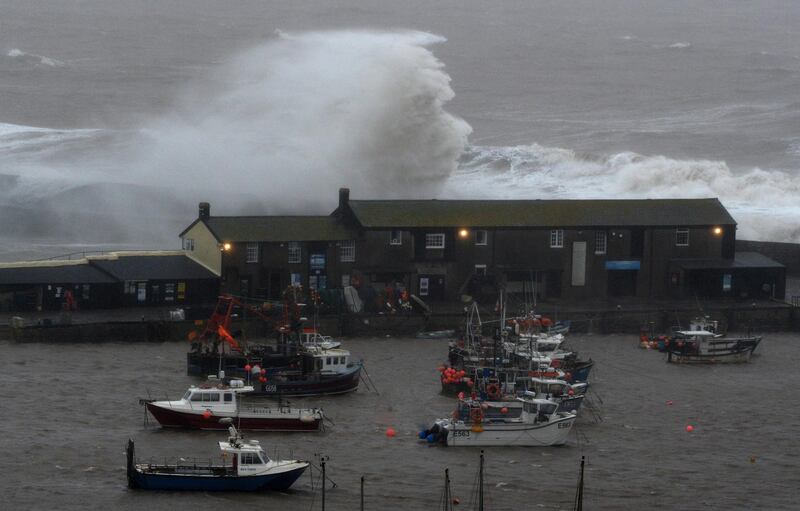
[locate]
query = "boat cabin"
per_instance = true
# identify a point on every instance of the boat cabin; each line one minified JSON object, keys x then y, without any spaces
{"x":214,"y":396}
{"x":326,"y":361}
{"x":541,"y":409}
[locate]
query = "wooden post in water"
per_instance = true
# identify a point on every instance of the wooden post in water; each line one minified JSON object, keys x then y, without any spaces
{"x":579,"y":492}
{"x":362,"y":493}
{"x":322,"y":463}
{"x":480,"y":485}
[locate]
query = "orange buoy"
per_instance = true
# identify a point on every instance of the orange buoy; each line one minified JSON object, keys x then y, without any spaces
{"x":689,"y":428}
{"x":390,"y":432}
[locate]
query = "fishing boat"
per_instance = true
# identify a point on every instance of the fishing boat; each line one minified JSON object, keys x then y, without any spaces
{"x":318,"y":371}
{"x":568,"y":396}
{"x":201,"y":407}
{"x":703,"y":347}
{"x":538,"y":424}
{"x":249,"y":469}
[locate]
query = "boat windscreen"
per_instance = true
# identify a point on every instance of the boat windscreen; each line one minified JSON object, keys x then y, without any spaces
{"x":187,"y":395}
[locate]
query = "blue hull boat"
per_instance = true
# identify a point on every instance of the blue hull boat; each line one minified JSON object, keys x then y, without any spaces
{"x":249,"y":470}
{"x":210,"y":479}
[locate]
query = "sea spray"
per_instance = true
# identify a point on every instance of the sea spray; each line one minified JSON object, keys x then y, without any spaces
{"x":765,"y":203}
{"x":303,"y":114}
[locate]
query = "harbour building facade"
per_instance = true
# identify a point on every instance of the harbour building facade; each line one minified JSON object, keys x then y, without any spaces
{"x":447,"y":249}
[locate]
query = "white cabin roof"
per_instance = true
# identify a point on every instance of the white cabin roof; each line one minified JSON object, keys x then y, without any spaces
{"x":696,"y":333}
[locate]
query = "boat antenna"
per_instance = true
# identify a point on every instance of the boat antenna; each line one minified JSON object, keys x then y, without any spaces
{"x":579,"y":492}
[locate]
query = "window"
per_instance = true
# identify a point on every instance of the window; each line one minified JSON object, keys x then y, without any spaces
{"x":396,"y":237}
{"x":347,"y":251}
{"x":600,"y":242}
{"x":682,"y":237}
{"x":295,"y":254}
{"x":197,"y":396}
{"x":228,"y":397}
{"x":296,"y":279}
{"x":169,"y":292}
{"x":557,"y":238}
{"x":480,"y":270}
{"x":481,"y":238}
{"x":188,"y":244}
{"x":250,"y":458}
{"x":435,"y":240}
{"x":252,"y":253}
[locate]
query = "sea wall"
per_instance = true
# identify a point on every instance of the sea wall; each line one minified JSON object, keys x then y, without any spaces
{"x":735,"y":318}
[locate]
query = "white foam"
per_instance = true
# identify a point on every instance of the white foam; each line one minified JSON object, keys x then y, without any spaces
{"x":32,"y":57}
{"x":325,"y":109}
{"x":765,"y":203}
{"x":680,"y":45}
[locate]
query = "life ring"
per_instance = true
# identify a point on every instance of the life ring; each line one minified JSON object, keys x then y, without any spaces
{"x":476,"y":414}
{"x":493,"y":391}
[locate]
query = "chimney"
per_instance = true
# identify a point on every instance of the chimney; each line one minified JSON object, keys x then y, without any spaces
{"x":205,"y":210}
{"x":344,"y":197}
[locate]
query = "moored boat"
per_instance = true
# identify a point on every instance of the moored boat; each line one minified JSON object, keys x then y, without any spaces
{"x":703,"y":347}
{"x":201,"y":408}
{"x":250,"y":469}
{"x":319,"y":371}
{"x":539,"y":423}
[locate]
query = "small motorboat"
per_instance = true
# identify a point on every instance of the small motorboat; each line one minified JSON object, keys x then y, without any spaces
{"x":202,"y":407}
{"x":249,"y":469}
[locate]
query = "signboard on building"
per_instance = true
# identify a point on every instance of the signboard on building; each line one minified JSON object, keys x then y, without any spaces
{"x":623,"y":265}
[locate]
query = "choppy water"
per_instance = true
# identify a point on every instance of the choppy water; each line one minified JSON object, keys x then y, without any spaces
{"x":151,"y":107}
{"x":69,"y":410}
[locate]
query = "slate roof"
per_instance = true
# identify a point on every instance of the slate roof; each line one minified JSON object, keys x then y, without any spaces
{"x":277,"y":228}
{"x":153,"y":267}
{"x":741,"y":260}
{"x":106,"y":269}
{"x":539,"y":213}
{"x":52,"y":273}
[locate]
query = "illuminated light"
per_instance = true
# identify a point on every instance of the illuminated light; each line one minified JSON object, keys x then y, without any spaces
{"x":463,"y":233}
{"x":717,"y":230}
{"x":226,"y":247}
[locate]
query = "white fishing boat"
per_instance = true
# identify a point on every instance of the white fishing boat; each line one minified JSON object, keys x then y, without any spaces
{"x":703,"y":347}
{"x":539,"y":423}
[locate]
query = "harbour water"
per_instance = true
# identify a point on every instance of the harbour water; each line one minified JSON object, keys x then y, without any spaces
{"x":70,"y":408}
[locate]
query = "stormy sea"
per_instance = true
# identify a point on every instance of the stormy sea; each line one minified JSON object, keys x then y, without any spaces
{"x":117,"y":117}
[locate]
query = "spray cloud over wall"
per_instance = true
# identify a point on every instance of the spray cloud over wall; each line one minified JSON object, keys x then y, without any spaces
{"x":303,"y":114}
